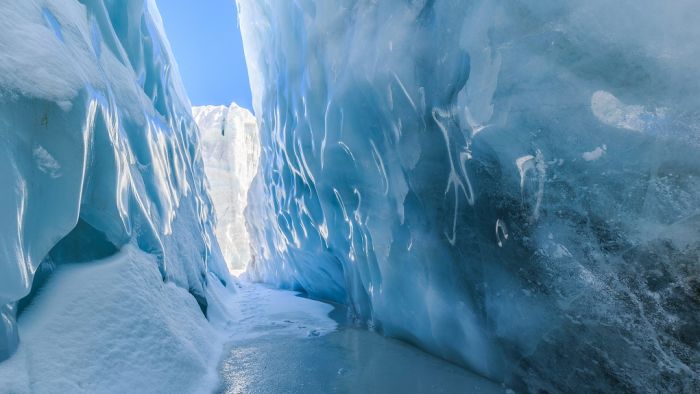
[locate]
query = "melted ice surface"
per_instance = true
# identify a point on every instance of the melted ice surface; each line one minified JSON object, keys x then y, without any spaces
{"x":511,"y":185}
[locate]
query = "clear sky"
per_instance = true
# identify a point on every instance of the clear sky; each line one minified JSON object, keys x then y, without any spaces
{"x":205,"y":38}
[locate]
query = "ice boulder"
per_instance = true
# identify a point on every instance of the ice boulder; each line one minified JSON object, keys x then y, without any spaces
{"x":98,"y":150}
{"x":512,"y":185}
{"x":230,"y":151}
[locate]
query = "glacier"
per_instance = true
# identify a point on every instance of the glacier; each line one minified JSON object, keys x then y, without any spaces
{"x":101,"y":172}
{"x":511,"y":185}
{"x":230,"y":147}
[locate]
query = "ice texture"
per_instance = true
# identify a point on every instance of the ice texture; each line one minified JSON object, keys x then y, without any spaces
{"x":512,"y":185}
{"x":230,"y":151}
{"x":98,"y":150}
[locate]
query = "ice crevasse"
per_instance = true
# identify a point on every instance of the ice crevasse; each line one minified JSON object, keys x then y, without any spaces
{"x":511,"y":185}
{"x":98,"y":152}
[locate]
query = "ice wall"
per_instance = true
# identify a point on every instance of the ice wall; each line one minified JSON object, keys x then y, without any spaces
{"x":98,"y":149}
{"x":230,"y":151}
{"x":512,"y":185}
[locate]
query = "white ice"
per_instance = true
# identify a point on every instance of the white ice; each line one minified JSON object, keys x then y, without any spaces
{"x":230,"y":150}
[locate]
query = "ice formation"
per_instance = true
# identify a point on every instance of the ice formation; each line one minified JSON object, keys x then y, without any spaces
{"x":511,"y":185}
{"x":230,"y":151}
{"x":98,"y":152}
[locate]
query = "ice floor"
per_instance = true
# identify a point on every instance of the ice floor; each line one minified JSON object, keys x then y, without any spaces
{"x":113,"y":326}
{"x":287,"y":344}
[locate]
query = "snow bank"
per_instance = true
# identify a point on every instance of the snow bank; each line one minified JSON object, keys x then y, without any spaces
{"x":113,"y":326}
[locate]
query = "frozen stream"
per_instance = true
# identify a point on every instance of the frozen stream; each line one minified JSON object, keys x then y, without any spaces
{"x":287,"y":344}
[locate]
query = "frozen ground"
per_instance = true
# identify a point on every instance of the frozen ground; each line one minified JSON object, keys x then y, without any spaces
{"x":113,"y":326}
{"x":283,"y":343}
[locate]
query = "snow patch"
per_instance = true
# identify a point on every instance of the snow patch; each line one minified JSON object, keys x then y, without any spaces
{"x":257,"y":310}
{"x":46,"y":162}
{"x":595,"y":154}
{"x":613,"y":112}
{"x":113,"y":326}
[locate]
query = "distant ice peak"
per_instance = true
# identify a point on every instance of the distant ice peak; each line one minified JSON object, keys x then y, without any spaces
{"x":230,"y":150}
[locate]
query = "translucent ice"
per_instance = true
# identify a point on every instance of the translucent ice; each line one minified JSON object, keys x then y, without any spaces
{"x":512,"y":185}
{"x":98,"y":149}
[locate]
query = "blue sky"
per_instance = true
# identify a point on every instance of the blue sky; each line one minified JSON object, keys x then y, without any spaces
{"x":207,"y":44}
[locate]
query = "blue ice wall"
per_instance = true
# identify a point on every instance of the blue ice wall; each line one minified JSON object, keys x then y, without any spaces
{"x":97,"y":149}
{"x":512,"y":185}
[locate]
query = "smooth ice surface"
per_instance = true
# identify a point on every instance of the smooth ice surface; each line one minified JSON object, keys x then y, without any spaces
{"x":230,"y":151}
{"x":113,"y":326}
{"x":511,"y":185}
{"x":98,"y":150}
{"x":287,"y":344}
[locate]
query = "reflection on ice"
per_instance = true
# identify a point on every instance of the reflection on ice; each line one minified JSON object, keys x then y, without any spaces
{"x":289,"y":349}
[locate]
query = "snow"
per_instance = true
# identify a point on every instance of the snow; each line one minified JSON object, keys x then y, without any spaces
{"x":113,"y":326}
{"x":230,"y":151}
{"x":46,"y":162}
{"x":417,"y":155}
{"x":99,"y":151}
{"x":595,"y":154}
{"x":611,"y":111}
{"x":257,"y":310}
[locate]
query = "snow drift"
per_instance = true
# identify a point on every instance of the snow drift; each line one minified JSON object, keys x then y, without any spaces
{"x":98,"y":151}
{"x":511,"y":185}
{"x":230,"y":151}
{"x":113,"y":326}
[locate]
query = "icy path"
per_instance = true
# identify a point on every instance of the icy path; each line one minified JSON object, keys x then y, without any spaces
{"x":287,"y":344}
{"x":113,"y":326}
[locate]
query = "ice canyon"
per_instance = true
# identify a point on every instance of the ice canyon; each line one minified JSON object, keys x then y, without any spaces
{"x":511,"y":186}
